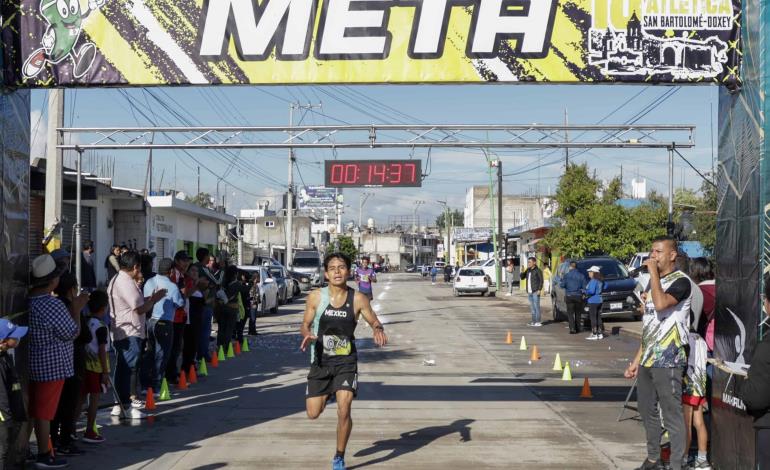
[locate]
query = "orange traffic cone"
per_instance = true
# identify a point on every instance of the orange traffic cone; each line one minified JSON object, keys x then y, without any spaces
{"x":182,"y":381}
{"x":535,"y":354}
{"x":149,"y":401}
{"x":586,"y":392}
{"x":509,"y":338}
{"x":237,"y":348}
{"x":193,"y":375}
{"x":214,"y":360}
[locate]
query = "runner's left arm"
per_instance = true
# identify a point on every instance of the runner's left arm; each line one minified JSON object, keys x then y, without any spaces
{"x":364,"y":308}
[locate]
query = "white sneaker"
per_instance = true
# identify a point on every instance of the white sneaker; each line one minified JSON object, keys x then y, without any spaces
{"x":600,"y":336}
{"x":116,"y":411}
{"x":137,"y":404}
{"x":137,"y":414}
{"x":593,"y":337}
{"x":537,"y":324}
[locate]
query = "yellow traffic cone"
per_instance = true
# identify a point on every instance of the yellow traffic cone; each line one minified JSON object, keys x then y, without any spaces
{"x":523,"y":345}
{"x":230,"y":352}
{"x":245,"y":347}
{"x":202,"y":369}
{"x":164,"y":393}
{"x":221,"y":354}
{"x":567,"y":375}
{"x":557,"y":362}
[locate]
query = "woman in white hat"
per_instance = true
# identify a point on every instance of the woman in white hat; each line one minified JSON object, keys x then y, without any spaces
{"x":594,"y":301}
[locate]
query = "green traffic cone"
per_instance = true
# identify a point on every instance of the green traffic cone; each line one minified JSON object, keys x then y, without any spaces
{"x":230,"y":352}
{"x":221,"y":354}
{"x":245,"y":347}
{"x":164,"y":393}
{"x":202,"y":369}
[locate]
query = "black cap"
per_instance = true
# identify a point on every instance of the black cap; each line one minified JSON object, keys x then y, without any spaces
{"x":181,"y":255}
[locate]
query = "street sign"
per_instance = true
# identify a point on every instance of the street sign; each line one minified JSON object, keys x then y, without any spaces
{"x":373,"y":173}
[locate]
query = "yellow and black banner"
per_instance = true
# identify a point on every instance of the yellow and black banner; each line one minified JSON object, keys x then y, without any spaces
{"x":171,"y":42}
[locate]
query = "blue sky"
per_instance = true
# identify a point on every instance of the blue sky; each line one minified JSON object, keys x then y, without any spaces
{"x":453,"y":172}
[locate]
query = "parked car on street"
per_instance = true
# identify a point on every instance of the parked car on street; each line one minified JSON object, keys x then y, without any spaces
{"x":268,"y":288}
{"x":470,"y":280}
{"x":309,"y":262}
{"x":285,"y":283}
{"x":299,"y":279}
{"x":618,"y":297}
{"x":488,"y":266}
{"x":410,"y":268}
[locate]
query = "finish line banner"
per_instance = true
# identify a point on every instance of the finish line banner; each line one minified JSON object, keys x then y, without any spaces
{"x":50,"y":43}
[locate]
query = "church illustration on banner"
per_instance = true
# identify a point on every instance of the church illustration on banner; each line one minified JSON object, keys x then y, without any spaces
{"x":635,"y":52}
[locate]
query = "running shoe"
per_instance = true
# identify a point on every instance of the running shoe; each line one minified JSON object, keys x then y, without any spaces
{"x":116,"y":411}
{"x":69,"y":450}
{"x":338,"y":463}
{"x":531,"y":323}
{"x":137,"y":414}
{"x":600,"y":336}
{"x":537,"y":323}
{"x":593,"y":337}
{"x":700,"y":464}
{"x":137,"y":404}
{"x":647,"y":465}
{"x":49,"y":461}
{"x":91,"y":437}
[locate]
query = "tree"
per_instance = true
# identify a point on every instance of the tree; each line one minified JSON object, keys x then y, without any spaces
{"x":456,"y":218}
{"x":590,"y":225}
{"x":705,"y":218}
{"x":346,"y":245}
{"x":576,"y":190}
{"x":204,"y":200}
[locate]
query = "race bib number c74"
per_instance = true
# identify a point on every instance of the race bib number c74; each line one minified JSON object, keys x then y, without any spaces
{"x":336,"y":346}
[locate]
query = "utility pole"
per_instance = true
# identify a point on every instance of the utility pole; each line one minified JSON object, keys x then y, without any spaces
{"x":54,"y":167}
{"x":78,"y":230}
{"x":500,"y":209}
{"x":362,"y":198}
{"x":198,"y":220}
{"x":670,"y":224}
{"x":566,"y":138}
{"x":290,"y":192}
{"x":416,"y":231}
{"x":495,"y":226}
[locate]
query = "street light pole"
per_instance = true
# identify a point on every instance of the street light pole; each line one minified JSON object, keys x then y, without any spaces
{"x":417,"y":205}
{"x":78,"y":232}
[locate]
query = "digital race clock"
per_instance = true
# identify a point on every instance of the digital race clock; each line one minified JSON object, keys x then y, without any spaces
{"x":373,"y":173}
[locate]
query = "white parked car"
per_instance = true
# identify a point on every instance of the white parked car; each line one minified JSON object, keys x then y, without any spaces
{"x":268,"y":288}
{"x":471,"y":280}
{"x":488,"y":266}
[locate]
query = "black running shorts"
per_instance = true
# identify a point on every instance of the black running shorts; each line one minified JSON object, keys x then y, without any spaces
{"x":327,"y":380}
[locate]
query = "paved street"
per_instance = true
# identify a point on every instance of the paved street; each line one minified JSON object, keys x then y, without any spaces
{"x":481,"y":405}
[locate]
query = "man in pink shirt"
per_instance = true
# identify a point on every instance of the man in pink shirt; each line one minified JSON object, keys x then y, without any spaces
{"x":128,"y":309}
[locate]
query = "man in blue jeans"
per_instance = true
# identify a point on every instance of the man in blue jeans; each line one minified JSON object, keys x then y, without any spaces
{"x":160,"y":327}
{"x":534,"y":279}
{"x":128,"y":309}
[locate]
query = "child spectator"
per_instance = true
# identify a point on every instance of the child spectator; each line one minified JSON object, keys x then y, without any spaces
{"x":12,"y":412}
{"x":97,"y":374}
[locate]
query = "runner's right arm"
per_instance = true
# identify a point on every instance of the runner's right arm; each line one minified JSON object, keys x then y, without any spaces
{"x":307,"y":321}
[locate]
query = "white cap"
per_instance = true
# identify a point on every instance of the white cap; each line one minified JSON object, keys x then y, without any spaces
{"x":594,"y":269}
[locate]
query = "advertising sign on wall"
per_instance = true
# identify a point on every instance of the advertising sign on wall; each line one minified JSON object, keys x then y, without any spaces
{"x":157,"y":42}
{"x":317,"y":198}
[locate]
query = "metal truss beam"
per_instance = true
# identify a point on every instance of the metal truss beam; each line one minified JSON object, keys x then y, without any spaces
{"x":533,"y":136}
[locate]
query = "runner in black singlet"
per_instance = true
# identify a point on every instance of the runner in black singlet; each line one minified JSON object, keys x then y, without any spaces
{"x":328,"y":329}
